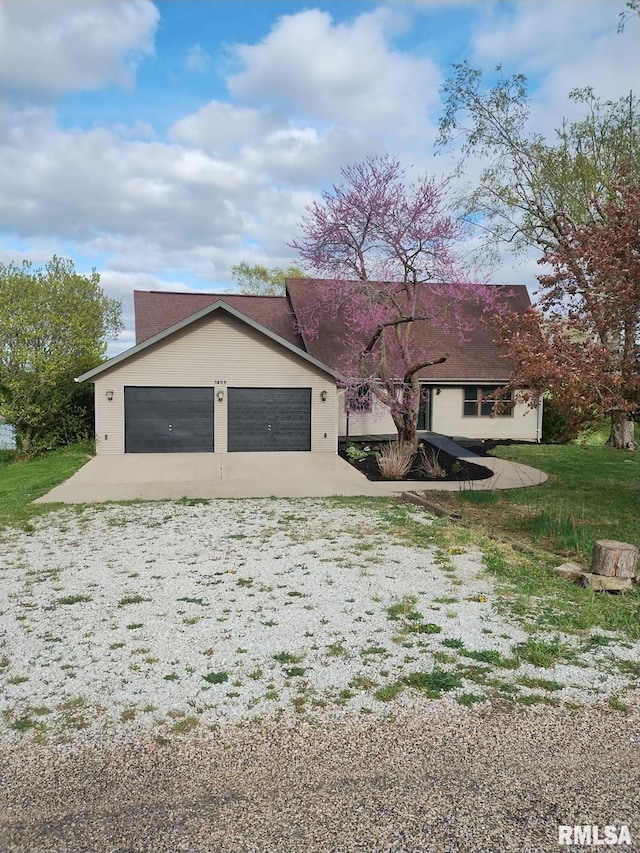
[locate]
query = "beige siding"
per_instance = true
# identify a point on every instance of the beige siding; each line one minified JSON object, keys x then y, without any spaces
{"x":219,"y":351}
{"x":376,"y":422}
{"x":448,"y":418}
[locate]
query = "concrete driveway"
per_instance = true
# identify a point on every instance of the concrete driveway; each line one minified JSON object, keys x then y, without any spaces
{"x":171,"y":476}
{"x":157,"y":476}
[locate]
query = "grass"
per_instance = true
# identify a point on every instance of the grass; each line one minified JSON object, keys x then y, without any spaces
{"x":592,"y":493}
{"x":23,"y":482}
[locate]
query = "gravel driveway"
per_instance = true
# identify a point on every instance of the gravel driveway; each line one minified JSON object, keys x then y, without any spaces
{"x":368,"y":676}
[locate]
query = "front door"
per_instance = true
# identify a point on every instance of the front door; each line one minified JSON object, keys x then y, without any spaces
{"x":424,"y":412}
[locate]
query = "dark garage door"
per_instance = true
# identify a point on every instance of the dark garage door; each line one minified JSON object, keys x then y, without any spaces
{"x":168,"y":420}
{"x":269,"y":419}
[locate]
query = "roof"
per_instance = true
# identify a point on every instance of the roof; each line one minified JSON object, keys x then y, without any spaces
{"x":218,"y":305}
{"x":474,"y":357}
{"x":157,"y":310}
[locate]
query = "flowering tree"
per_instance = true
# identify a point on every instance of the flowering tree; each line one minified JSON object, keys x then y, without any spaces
{"x":382,"y":244}
{"x":586,"y":346}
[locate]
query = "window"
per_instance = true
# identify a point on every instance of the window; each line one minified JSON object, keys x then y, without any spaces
{"x":359,"y":399}
{"x":476,"y":404}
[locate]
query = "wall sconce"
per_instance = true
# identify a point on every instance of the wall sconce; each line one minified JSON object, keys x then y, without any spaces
{"x":324,"y":395}
{"x":438,"y":390}
{"x":220,"y":394}
{"x":109,"y":395}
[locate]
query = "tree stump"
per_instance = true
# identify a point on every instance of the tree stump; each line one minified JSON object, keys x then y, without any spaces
{"x":614,"y":559}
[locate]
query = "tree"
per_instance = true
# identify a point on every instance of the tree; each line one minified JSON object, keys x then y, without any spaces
{"x":379,"y":241}
{"x":53,"y":326}
{"x":532,"y":192}
{"x":632,"y":9}
{"x":257,"y":280}
{"x":586,"y":345}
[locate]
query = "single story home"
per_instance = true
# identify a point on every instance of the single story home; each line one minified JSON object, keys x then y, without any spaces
{"x":227,"y":372}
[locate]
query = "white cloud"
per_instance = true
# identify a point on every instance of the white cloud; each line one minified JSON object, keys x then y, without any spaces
{"x":197,"y":60}
{"x":53,"y":47}
{"x":345,"y":73}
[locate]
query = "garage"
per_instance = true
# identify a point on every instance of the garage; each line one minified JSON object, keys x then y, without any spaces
{"x":264,"y":419}
{"x":168,"y":420}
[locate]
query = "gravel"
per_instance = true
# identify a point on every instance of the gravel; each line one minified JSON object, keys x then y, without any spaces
{"x":165,"y":617}
{"x":206,"y":677}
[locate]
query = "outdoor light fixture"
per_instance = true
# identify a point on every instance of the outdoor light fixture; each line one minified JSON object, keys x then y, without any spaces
{"x":220,"y":394}
{"x":109,"y":395}
{"x":323,"y":396}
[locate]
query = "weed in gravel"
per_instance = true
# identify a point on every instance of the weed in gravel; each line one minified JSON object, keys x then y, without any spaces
{"x":539,"y":683}
{"x":453,"y":643}
{"x":22,"y":724}
{"x":389,"y":692}
{"x":187,"y":599}
{"x":73,"y":599}
{"x":628,"y":667}
{"x":294,"y":671}
{"x":115,"y":646}
{"x":271,"y":695}
{"x":404,"y":609}
{"x":287,"y":657}
{"x":362,"y":682}
{"x":432,"y":683}
{"x":468,"y":699}
{"x":443,"y":657}
{"x":617,"y":704}
{"x":336,"y":650}
{"x":134,"y":626}
{"x":375,"y":650}
{"x":17,"y":679}
{"x":544,"y":653}
{"x":256,"y":674}
{"x":132,"y":599}
{"x":128,"y":715}
{"x":171,"y":677}
{"x":185,"y":726}
{"x":216,"y":677}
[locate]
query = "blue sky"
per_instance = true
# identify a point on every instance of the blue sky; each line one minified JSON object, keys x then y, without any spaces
{"x":164,"y":142}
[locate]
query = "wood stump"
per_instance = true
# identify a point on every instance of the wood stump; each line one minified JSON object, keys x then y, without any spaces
{"x":614,"y":559}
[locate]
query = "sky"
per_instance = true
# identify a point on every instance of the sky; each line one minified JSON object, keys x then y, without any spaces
{"x":162,"y":143}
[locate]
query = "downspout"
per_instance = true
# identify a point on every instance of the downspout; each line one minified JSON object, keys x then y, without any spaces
{"x":539,"y":423}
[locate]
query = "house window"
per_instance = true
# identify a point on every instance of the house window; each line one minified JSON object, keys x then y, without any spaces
{"x":476,"y":405}
{"x":359,"y":399}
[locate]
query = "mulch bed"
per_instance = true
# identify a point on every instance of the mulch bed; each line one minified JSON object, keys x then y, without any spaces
{"x":458,"y":470}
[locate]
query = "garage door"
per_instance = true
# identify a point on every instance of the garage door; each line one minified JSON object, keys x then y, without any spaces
{"x":269,"y":419}
{"x":168,"y":420}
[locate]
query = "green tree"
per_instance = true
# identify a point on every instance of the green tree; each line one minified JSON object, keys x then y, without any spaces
{"x":54,"y":323}
{"x":257,"y":280}
{"x":533,"y":192}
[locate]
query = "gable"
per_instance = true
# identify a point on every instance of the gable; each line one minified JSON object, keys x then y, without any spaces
{"x":156,"y":311}
{"x":192,"y":321}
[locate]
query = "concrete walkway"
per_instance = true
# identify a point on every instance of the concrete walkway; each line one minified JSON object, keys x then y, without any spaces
{"x":171,"y":476}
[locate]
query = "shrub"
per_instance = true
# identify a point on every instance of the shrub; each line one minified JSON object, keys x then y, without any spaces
{"x":429,"y":464}
{"x":394,"y":460}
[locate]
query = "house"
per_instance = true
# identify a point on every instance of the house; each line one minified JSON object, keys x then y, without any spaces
{"x":226,"y":372}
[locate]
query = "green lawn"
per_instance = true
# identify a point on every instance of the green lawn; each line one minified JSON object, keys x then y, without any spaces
{"x":22,"y":482}
{"x":592,"y":493}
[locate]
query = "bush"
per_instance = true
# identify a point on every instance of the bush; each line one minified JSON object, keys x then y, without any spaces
{"x":394,"y":460}
{"x":429,"y":463}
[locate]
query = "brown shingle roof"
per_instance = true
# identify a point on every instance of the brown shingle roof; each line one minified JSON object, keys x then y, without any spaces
{"x":157,"y":310}
{"x":474,"y":357}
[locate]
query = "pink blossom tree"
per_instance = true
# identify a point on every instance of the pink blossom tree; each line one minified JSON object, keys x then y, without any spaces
{"x":390,"y":253}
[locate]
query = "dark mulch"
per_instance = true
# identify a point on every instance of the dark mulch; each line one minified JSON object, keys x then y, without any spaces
{"x":456,"y":469}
